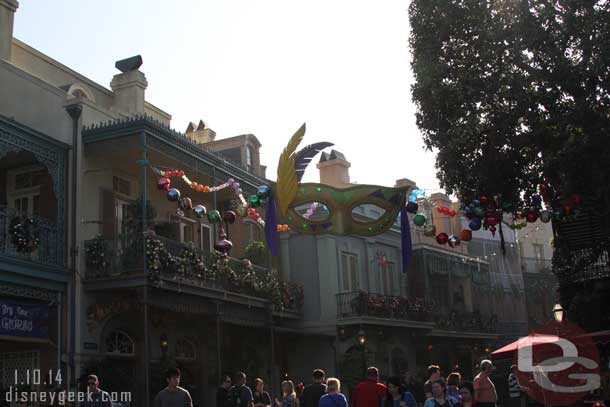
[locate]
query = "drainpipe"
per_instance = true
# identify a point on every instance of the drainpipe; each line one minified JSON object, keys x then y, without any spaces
{"x":143,"y":162}
{"x":74,"y":111}
{"x":59,"y":300}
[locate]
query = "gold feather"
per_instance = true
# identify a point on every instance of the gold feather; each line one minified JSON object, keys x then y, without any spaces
{"x":287,"y":185}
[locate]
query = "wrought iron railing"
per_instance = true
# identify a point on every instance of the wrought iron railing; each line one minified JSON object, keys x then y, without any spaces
{"x":467,"y":321}
{"x":30,"y":237}
{"x":169,"y":260}
{"x":360,"y":303}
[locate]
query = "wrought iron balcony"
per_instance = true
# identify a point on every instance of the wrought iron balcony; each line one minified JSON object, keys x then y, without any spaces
{"x":30,"y":238}
{"x":171,"y":261}
{"x":466,"y":321}
{"x":360,"y":303}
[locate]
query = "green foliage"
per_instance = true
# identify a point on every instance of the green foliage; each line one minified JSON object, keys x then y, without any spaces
{"x":514,"y":93}
{"x":256,"y":252}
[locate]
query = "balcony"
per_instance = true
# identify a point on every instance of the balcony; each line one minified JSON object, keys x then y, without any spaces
{"x":171,"y":263}
{"x":359,"y":304}
{"x":466,"y":322}
{"x":30,"y":238}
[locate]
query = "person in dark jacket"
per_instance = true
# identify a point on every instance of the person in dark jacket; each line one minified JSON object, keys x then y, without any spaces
{"x":223,"y":391}
{"x":313,"y":392}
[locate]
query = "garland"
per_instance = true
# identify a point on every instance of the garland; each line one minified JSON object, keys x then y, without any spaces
{"x":193,"y":266}
{"x":96,"y":253}
{"x":25,"y":234}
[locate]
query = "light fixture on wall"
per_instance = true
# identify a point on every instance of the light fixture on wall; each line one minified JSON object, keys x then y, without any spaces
{"x":164,"y":343}
{"x":558,"y":313}
{"x":361,"y":337}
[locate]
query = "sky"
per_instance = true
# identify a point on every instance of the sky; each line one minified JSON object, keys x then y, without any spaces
{"x":258,"y":66}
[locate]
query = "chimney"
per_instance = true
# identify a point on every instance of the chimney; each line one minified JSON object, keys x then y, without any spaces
{"x":7,"y":16}
{"x":334,"y":169}
{"x":201,"y":134}
{"x":441,"y":221}
{"x":129,"y":86}
{"x":404,"y":183}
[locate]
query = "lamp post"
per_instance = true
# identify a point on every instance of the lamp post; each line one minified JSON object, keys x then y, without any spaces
{"x":558,"y":313}
{"x":362,"y":343}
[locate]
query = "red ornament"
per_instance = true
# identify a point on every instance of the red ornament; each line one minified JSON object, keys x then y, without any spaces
{"x":452,"y":212}
{"x":532,"y":216}
{"x":164,"y":184}
{"x":567,"y":209}
{"x":484,"y":199}
{"x":492,"y":229}
{"x":439,"y":209}
{"x":492,"y":221}
{"x":466,"y":235}
{"x":442,"y":238}
{"x":577,"y":200}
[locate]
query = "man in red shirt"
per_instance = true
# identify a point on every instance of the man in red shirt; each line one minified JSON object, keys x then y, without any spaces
{"x":369,"y":393}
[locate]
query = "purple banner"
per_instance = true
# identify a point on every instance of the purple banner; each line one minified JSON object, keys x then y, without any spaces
{"x":23,"y":319}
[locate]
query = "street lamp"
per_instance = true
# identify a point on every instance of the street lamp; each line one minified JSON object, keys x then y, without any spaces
{"x":361,"y":337}
{"x":362,"y":343}
{"x":558,"y":313}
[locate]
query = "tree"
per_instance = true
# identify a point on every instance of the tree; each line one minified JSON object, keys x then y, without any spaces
{"x":514,"y":93}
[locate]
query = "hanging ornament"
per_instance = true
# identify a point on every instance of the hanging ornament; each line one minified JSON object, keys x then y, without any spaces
{"x":468,"y":210}
{"x":223,"y":245}
{"x":229,"y":217}
{"x":476,"y":203}
{"x":492,"y":221}
{"x":213,"y":216}
{"x":484,"y":200}
{"x":545,"y":216}
{"x":430,"y":230}
{"x":255,"y":201}
{"x":492,"y":229}
{"x":576,"y":200}
{"x":242,"y":211}
{"x":442,"y":238}
{"x":173,"y":195}
{"x":185,"y":203}
{"x":452,"y":212}
{"x":507,"y":206}
{"x":164,"y":184}
{"x":466,"y":235}
{"x":419,"y":220}
{"x":475,"y":224}
{"x":200,"y":211}
{"x":567,"y":209}
{"x":412,"y":207}
{"x":453,"y":241}
{"x":479,"y":212}
{"x":536,"y":200}
{"x":263,"y":192}
{"x":532,"y":216}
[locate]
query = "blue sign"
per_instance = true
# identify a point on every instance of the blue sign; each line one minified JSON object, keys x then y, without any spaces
{"x":24,"y":319}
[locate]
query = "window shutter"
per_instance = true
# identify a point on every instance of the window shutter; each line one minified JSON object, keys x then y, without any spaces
{"x":108,"y":214}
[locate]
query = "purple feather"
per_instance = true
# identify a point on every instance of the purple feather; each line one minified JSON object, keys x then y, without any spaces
{"x":306,"y":154}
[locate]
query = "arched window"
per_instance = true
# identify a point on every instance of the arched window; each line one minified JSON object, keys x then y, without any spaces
{"x":185,"y":349}
{"x":119,"y":343}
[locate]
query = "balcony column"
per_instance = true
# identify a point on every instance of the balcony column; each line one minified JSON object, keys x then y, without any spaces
{"x":218,"y":339}
{"x":274,"y":377}
{"x":143,"y":162}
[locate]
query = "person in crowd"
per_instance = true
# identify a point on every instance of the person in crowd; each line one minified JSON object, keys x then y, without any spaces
{"x":434,"y":374}
{"x":397,"y":396}
{"x":439,"y":397}
{"x":369,"y":393}
{"x":223,"y":391}
{"x":514,"y":388}
{"x":260,"y":397}
{"x":173,"y":395}
{"x":466,"y":392}
{"x":334,"y":397}
{"x":289,"y":396}
{"x":313,"y":392}
{"x":484,"y":390}
{"x":452,"y":385}
{"x":95,"y":397}
{"x":240,"y":395}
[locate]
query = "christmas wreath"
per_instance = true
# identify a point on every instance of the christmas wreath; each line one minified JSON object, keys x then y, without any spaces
{"x":26,"y":234}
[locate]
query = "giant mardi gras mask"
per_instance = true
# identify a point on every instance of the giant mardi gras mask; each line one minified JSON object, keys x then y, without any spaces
{"x":320,"y":209}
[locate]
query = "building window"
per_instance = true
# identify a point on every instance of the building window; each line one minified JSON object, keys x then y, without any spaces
{"x":253,"y":231}
{"x":186,"y":229}
{"x":24,"y":189}
{"x":119,"y":343}
{"x":349,"y":272}
{"x":206,"y":238}
{"x":249,"y":158}
{"x":185,"y":349}
{"x":121,"y":186}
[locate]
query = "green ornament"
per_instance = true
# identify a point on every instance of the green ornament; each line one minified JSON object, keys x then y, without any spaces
{"x":370,"y":229}
{"x":419,"y":220}
{"x":479,"y":212}
{"x":255,"y":201}
{"x":507,"y":206}
{"x":214,"y":216}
